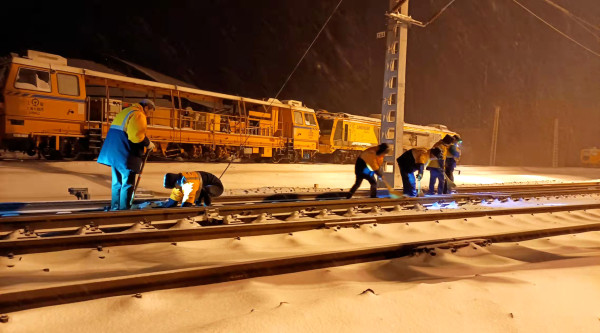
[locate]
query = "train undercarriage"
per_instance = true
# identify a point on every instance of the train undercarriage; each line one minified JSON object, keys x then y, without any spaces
{"x":88,"y":148}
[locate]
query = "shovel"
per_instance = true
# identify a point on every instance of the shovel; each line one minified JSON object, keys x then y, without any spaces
{"x":139,"y":177}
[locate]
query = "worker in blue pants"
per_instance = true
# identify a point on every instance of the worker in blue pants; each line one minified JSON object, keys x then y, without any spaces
{"x":123,"y":151}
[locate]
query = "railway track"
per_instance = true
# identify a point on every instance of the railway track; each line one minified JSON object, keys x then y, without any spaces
{"x":39,"y":233}
{"x":132,"y":284}
{"x":8,"y":209}
{"x":35,"y":233}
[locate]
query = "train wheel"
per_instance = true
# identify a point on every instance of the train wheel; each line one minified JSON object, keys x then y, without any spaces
{"x":338,"y":158}
{"x":276,"y":158}
{"x":69,"y":150}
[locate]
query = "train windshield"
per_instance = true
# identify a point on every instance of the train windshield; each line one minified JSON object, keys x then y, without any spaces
{"x":33,"y":79}
{"x":325,"y":125}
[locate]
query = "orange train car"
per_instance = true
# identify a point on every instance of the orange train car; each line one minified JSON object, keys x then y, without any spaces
{"x":58,"y":111}
{"x":63,"y":112}
{"x":344,"y":136}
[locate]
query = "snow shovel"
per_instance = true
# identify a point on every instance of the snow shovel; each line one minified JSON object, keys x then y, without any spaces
{"x":137,"y":182}
{"x":393,"y":193}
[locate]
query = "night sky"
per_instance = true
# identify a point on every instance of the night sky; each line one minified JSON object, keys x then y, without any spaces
{"x":480,"y":54}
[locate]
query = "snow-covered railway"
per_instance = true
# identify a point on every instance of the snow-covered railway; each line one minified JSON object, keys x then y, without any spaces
{"x":52,"y":232}
{"x":27,"y":298}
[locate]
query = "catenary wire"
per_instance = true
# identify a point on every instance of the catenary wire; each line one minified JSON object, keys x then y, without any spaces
{"x":292,"y":73}
{"x":557,"y":30}
{"x":583,"y":23}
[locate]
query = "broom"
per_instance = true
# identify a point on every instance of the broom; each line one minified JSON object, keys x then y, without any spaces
{"x":450,"y":183}
{"x":393,"y":193}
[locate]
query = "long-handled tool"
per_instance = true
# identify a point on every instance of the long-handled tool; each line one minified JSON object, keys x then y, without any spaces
{"x":393,"y":193}
{"x":419,"y":190}
{"x":450,"y":183}
{"x":137,"y":182}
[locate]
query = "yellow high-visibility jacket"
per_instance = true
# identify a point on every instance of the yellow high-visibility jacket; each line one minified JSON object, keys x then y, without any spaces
{"x":439,"y":164}
{"x":370,"y":157}
{"x":421,"y":155}
{"x":125,"y":140}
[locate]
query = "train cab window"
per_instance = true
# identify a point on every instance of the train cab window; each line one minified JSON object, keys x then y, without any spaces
{"x":33,"y":79}
{"x":346,"y":132}
{"x":337,"y":135}
{"x":298,"y":118}
{"x":310,"y":119}
{"x":68,"y":84}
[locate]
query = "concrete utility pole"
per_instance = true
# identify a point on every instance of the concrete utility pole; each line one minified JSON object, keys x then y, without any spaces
{"x":555,"y":145}
{"x":495,"y":136}
{"x":392,"y":111}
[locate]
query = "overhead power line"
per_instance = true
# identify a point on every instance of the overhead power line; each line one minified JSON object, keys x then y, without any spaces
{"x":557,"y":30}
{"x":581,"y":22}
{"x":289,"y":76}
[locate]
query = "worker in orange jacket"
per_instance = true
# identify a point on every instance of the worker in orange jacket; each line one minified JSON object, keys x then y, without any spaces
{"x":413,"y":160}
{"x":123,"y":151}
{"x":191,"y":188}
{"x":368,"y":164}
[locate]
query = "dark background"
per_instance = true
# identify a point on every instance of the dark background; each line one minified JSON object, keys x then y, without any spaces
{"x":478,"y":55}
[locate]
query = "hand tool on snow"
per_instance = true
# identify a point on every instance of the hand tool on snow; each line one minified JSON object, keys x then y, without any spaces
{"x":137,"y":182}
{"x":419,"y":190}
{"x":450,"y":183}
{"x":393,"y":193}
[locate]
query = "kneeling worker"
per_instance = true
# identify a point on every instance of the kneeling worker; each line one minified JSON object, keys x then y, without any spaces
{"x":414,"y":160}
{"x":369,"y":163}
{"x":191,"y":188}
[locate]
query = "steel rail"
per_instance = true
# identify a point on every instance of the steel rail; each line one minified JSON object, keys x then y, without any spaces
{"x":186,"y":230}
{"x":98,"y":288}
{"x":48,"y":207}
{"x":76,"y":220}
{"x":31,"y":223}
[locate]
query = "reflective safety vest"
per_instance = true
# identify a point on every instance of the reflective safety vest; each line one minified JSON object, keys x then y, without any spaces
{"x":188,"y":190}
{"x":125,"y":140}
{"x":435,"y":163}
{"x":421,"y":155}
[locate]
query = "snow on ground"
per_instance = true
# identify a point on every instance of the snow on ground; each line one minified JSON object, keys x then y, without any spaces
{"x":33,"y":180}
{"x":544,"y":285}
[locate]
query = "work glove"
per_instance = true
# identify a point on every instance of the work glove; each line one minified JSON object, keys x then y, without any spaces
{"x":151,"y":146}
{"x":419,"y":176}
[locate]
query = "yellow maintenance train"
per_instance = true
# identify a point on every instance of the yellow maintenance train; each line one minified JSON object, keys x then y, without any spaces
{"x":64,"y":112}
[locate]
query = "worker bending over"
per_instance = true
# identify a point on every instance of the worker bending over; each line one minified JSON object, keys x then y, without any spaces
{"x":191,"y":188}
{"x":436,"y":167}
{"x":415,"y":160}
{"x":123,"y":151}
{"x":451,"y":159}
{"x":369,"y":163}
